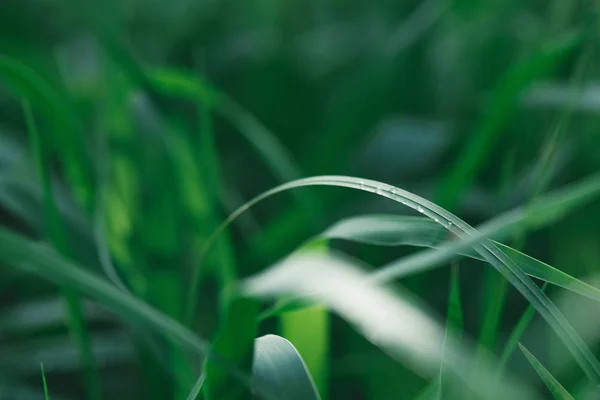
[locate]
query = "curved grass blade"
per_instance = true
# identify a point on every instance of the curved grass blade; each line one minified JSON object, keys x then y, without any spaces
{"x":395,"y":230}
{"x":483,"y":246}
{"x":279,"y":371}
{"x":388,"y":319}
{"x":557,"y":390}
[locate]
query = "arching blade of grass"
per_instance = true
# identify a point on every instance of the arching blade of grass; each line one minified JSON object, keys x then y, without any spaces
{"x":279,"y":371}
{"x":395,"y":230}
{"x":483,"y":246}
{"x":389,"y":320}
{"x":557,"y":390}
{"x":55,"y":232}
{"x":46,"y":395}
{"x":516,"y":335}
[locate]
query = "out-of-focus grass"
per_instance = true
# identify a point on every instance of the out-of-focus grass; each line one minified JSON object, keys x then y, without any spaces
{"x":147,"y":123}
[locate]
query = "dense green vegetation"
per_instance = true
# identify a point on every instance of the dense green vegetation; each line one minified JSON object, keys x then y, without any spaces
{"x":277,"y":200}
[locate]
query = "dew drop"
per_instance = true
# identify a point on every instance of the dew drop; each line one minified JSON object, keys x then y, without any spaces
{"x":436,"y":219}
{"x":449,"y":224}
{"x":420,"y":209}
{"x":362,"y":184}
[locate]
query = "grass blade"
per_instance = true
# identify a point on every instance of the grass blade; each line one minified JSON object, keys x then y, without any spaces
{"x":55,"y":231}
{"x":388,"y":320}
{"x":395,"y":230}
{"x":483,"y":246}
{"x":279,"y":371}
{"x":308,"y":330}
{"x":454,"y":324}
{"x":234,"y":342}
{"x":46,"y":395}
{"x":557,"y":390}
{"x":516,"y":334}
{"x":43,"y":261}
{"x":195,"y":392}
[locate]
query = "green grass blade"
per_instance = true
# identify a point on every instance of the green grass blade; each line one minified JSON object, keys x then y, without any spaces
{"x":279,"y":371}
{"x":234,"y":342}
{"x":55,"y":231}
{"x":67,"y":141}
{"x":387,"y":319}
{"x":43,"y":261}
{"x":557,"y":390}
{"x":516,"y":335}
{"x":46,"y":395}
{"x":483,"y":246}
{"x":195,"y":391}
{"x":308,"y":331}
{"x":454,"y":325}
{"x":395,"y":230}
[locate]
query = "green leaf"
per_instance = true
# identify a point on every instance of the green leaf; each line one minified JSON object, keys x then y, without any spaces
{"x":486,"y":248}
{"x":557,"y":390}
{"x":279,"y":371}
{"x":390,"y":320}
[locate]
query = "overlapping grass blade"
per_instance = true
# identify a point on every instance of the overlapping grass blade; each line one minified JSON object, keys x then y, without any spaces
{"x":557,"y":390}
{"x":390,"y":321}
{"x":395,"y":230}
{"x":483,"y":246}
{"x":279,"y":371}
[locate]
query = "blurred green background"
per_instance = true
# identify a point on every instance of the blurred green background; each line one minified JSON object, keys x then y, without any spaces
{"x":150,"y":122}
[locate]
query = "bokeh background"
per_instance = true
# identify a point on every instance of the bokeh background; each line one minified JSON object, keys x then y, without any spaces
{"x":158,"y":119}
